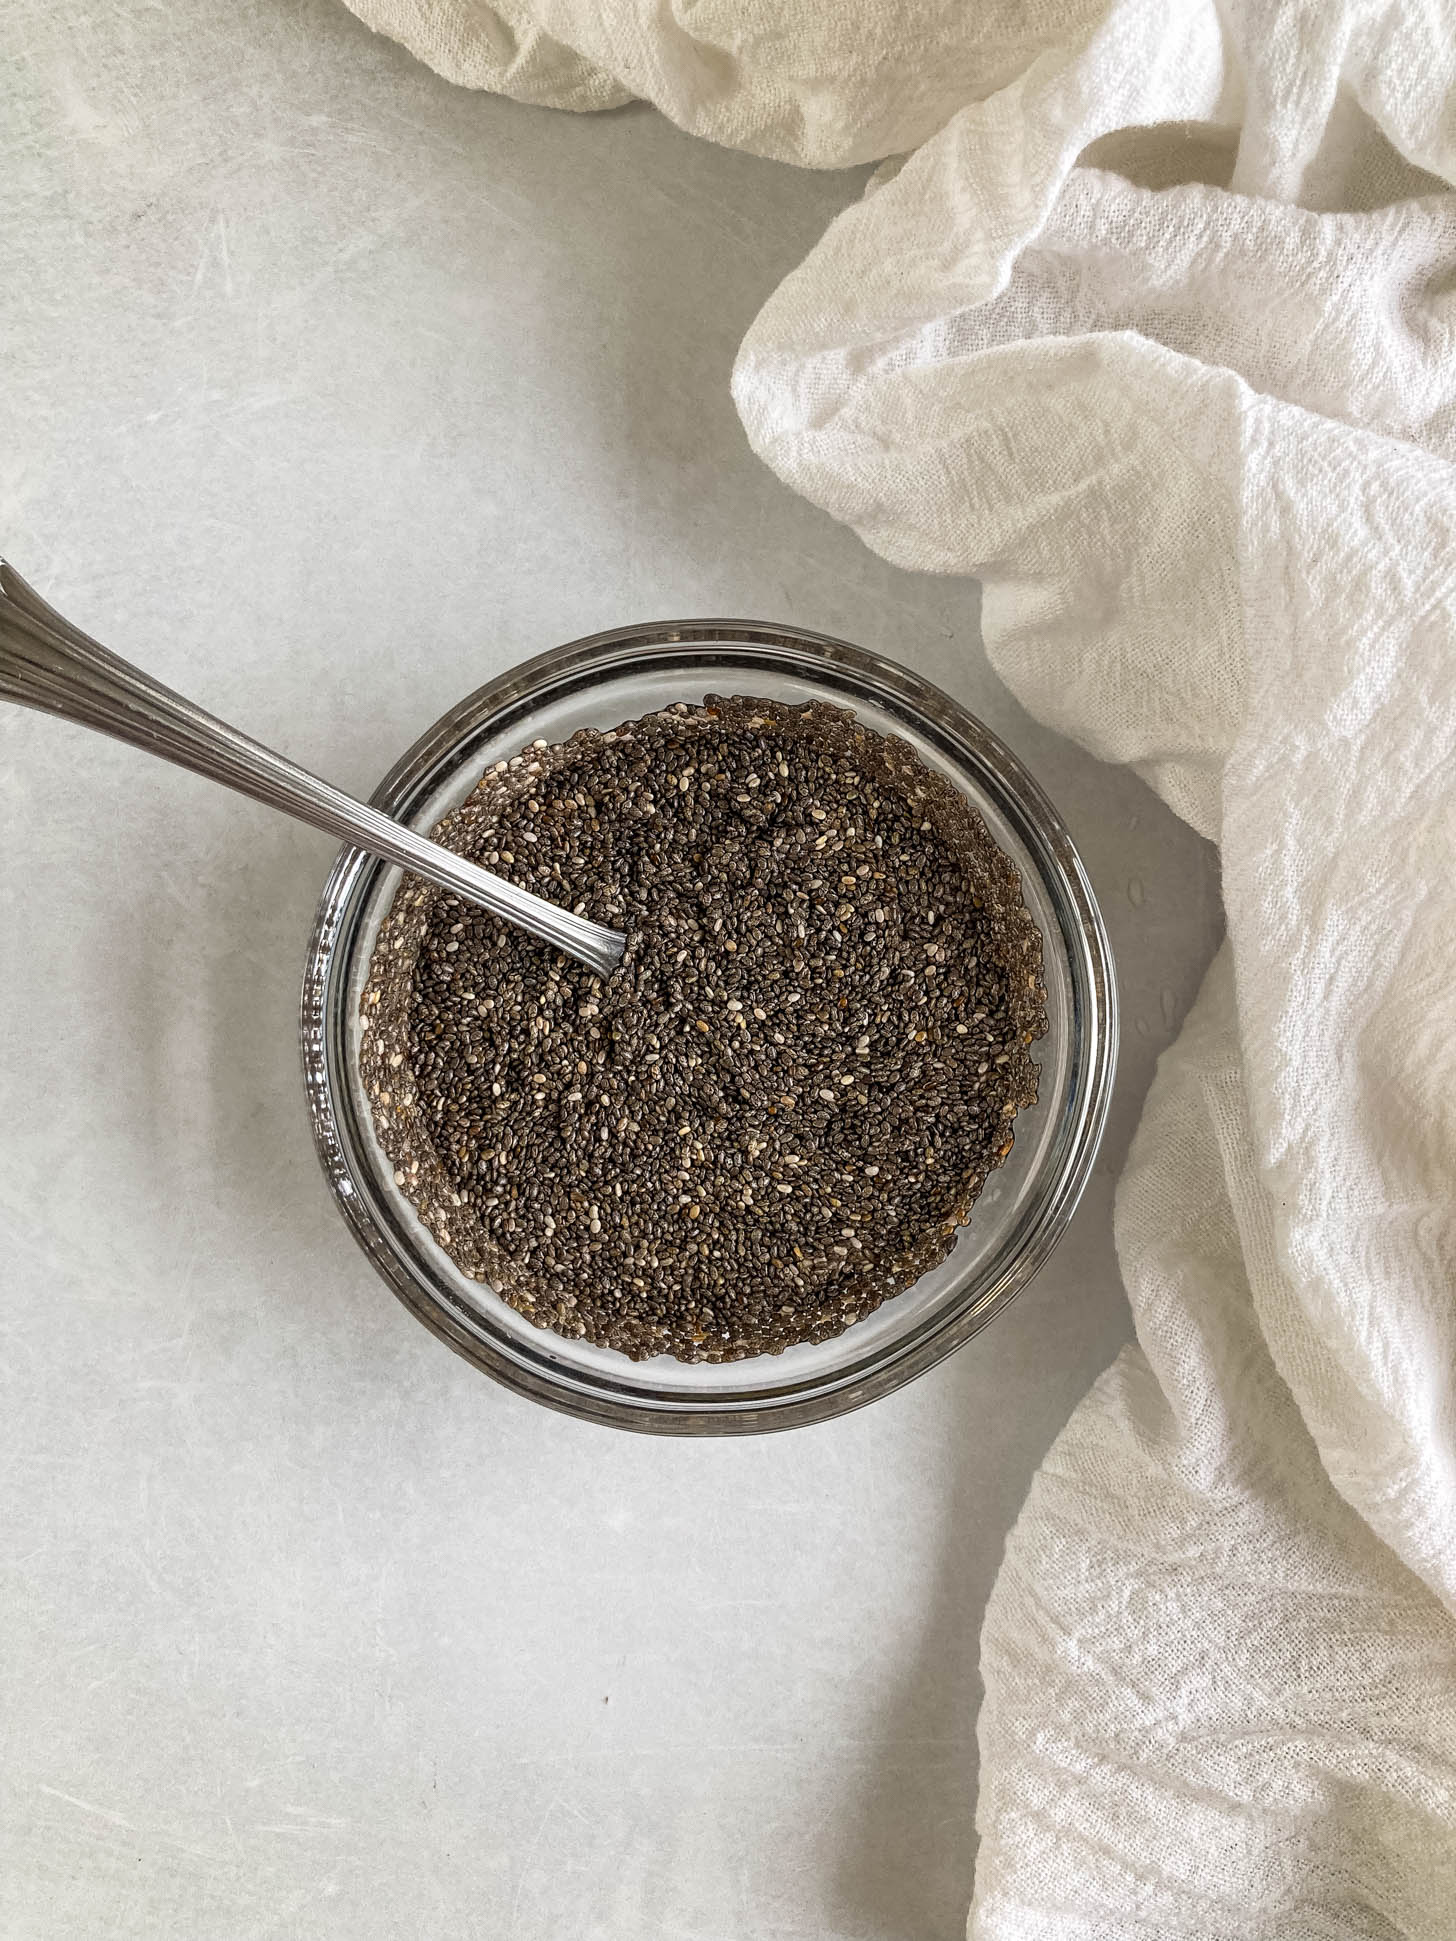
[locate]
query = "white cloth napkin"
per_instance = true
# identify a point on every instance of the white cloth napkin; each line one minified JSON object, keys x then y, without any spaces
{"x":1154,"y":332}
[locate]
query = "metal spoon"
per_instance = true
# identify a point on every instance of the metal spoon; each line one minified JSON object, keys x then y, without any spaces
{"x":47,"y":663}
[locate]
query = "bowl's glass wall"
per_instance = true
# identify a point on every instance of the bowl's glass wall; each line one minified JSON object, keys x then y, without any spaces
{"x":599,"y":684}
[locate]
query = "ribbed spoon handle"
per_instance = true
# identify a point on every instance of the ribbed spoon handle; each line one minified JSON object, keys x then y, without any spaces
{"x":48,"y":664}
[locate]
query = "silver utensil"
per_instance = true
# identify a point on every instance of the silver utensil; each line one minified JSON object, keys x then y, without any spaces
{"x":48,"y":664}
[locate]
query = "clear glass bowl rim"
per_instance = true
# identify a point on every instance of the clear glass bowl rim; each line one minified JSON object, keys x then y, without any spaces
{"x":325,"y":1013}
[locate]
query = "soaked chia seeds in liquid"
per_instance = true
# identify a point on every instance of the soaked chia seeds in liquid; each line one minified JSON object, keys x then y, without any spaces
{"x":778,"y":1111}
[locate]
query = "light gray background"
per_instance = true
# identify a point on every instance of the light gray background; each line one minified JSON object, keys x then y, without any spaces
{"x":329,"y":391}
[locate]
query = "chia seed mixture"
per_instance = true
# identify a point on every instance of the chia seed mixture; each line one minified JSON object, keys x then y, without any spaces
{"x":778,"y":1111}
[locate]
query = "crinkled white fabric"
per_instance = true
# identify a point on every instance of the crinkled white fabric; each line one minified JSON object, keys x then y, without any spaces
{"x":1155,"y":333}
{"x":819,"y":82}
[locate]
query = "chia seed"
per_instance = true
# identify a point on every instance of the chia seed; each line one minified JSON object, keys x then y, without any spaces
{"x":779,"y":1110}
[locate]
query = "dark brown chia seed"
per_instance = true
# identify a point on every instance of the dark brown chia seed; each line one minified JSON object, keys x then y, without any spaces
{"x":778,"y":1111}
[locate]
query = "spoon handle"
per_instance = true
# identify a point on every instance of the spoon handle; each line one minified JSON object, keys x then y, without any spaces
{"x":48,"y":664}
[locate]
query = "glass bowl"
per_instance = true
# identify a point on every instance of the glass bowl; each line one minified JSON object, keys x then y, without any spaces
{"x":1026,"y":1204}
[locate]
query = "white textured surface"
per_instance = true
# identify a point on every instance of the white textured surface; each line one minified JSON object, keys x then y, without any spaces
{"x":329,"y":391}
